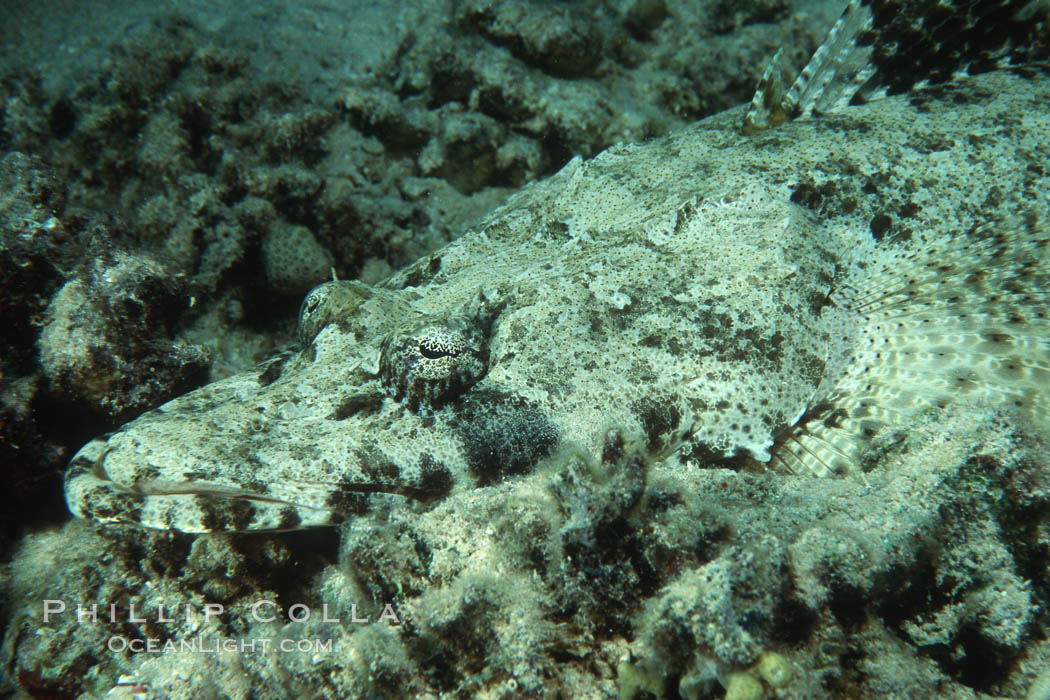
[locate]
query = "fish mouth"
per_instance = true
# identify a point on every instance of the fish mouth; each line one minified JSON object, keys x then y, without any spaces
{"x":181,"y":475}
{"x":93,"y":495}
{"x":204,"y":506}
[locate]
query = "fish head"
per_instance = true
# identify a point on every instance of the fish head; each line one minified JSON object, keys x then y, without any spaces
{"x":540,"y":332}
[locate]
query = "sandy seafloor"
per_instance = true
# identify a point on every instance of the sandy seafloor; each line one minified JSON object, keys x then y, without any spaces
{"x":177,"y":175}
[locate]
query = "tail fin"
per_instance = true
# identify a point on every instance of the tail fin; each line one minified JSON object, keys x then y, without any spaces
{"x":956,"y":319}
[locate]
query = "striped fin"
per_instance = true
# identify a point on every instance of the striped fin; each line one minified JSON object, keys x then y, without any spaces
{"x":959,"y":320}
{"x":887,"y":47}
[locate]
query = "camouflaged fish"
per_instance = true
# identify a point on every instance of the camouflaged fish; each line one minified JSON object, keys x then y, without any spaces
{"x":772,"y":285}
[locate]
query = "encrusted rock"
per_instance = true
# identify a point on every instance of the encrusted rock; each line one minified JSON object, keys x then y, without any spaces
{"x":106,"y":337}
{"x":294,"y":260}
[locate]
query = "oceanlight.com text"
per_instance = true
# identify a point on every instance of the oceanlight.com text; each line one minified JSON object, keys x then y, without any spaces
{"x":202,"y":645}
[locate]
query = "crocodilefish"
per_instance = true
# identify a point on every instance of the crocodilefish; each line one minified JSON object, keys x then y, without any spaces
{"x":771,"y":286}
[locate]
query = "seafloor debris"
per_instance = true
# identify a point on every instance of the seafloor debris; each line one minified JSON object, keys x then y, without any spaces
{"x":106,"y":335}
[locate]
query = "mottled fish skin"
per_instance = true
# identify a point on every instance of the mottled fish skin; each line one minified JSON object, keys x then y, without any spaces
{"x":697,"y":286}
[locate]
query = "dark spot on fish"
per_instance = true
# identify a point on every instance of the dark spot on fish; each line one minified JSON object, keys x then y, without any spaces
{"x":497,"y":230}
{"x":659,"y":416}
{"x":707,"y":457}
{"x":256,"y":486}
{"x":501,"y":434}
{"x":683,"y":216}
{"x":993,"y":199}
{"x":289,"y":519}
{"x":880,"y":224}
{"x":435,"y":478}
{"x":355,"y":404}
{"x":241,"y":513}
{"x":927,"y":144}
{"x":811,"y":197}
{"x":348,"y":499}
{"x":556,"y":230}
{"x":818,"y":301}
{"x":224,"y":514}
{"x":422,"y":273}
{"x":106,"y":504}
{"x":272,"y":369}
{"x":377,"y":467}
{"x":145,"y":473}
{"x":772,"y":346}
{"x":78,"y":467}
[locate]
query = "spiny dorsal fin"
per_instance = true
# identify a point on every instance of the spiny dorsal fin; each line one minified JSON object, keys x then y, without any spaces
{"x":768,"y":104}
{"x":886,"y":47}
{"x":967,"y":318}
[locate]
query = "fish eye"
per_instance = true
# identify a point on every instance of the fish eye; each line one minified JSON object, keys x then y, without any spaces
{"x":436,"y":347}
{"x":326,"y":303}
{"x":310,"y":304}
{"x":434,"y":363}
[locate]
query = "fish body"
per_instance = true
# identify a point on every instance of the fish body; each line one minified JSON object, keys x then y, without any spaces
{"x":750,"y":296}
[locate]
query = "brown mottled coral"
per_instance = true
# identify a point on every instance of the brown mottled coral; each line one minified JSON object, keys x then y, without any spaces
{"x":106,"y":336}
